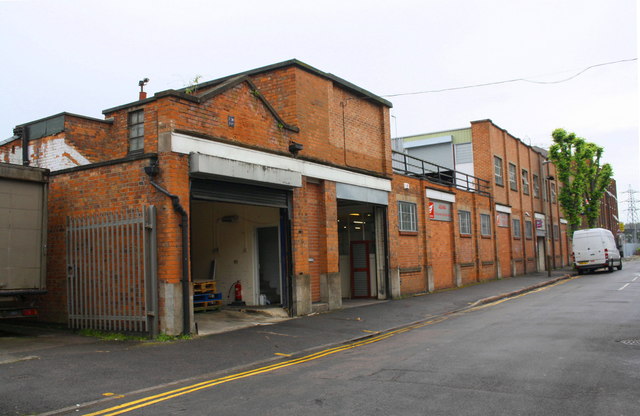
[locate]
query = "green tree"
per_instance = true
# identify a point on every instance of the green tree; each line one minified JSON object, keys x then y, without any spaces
{"x":584,"y":179}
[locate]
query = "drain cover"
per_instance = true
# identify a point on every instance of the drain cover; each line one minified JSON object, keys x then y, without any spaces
{"x":635,"y":342}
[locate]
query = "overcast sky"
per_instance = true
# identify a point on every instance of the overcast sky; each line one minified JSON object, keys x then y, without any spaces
{"x":85,"y":56}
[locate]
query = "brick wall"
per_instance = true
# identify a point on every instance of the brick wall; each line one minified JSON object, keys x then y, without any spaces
{"x":85,"y":192}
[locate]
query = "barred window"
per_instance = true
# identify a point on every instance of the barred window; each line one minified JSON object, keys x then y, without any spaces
{"x":465,"y":222}
{"x":536,"y":186}
{"x":556,"y":232}
{"x":136,"y":131}
{"x":485,"y":225}
{"x":407,"y":218}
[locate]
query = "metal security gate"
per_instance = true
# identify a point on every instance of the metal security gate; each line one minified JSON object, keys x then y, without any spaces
{"x":360,"y":270}
{"x":111,"y":271}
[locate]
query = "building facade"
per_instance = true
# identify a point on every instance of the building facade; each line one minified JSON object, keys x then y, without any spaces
{"x":280,"y":185}
{"x":499,"y":207}
{"x":275,"y":181}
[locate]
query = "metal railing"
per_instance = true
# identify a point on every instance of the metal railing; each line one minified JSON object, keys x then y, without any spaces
{"x":111,"y":267}
{"x":405,"y":164}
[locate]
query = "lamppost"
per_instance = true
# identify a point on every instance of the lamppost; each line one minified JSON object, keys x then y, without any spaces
{"x":549,"y":240}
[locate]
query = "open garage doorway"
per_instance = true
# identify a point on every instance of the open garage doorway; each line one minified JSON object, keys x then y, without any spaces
{"x":362,"y":247}
{"x":237,"y":243}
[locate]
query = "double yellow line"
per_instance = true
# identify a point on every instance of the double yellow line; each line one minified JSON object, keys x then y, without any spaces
{"x":147,"y":401}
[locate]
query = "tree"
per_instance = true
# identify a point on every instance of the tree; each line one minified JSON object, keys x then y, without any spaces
{"x":584,"y":180}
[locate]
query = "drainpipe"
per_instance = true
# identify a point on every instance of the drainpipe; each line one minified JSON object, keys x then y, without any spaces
{"x":20,"y":133}
{"x":152,"y":171}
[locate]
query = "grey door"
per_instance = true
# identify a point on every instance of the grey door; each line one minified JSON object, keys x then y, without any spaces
{"x":269,"y":263}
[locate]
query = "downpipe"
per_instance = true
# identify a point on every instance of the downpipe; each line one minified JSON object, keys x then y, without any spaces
{"x":175,"y":200}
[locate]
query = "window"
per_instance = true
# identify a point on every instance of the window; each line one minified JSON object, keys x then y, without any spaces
{"x":525,"y":182}
{"x":516,"y":228}
{"x":536,"y":186}
{"x":553,"y":193}
{"x":407,"y":218}
{"x":485,"y":225}
{"x":136,"y":131}
{"x":497,"y":169}
{"x":556,"y":232}
{"x":465,"y":222}
{"x":528,"y":229}
{"x":513,"y":177}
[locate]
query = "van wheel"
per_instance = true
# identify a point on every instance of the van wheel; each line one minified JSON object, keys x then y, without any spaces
{"x":619,"y":266}
{"x":610,"y":268}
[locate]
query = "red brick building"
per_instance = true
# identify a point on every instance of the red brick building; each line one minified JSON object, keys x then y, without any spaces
{"x":487,"y":207}
{"x":275,"y":178}
{"x":280,"y":180}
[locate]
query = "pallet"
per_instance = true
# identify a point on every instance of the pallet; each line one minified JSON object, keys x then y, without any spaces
{"x":204,"y":306}
{"x":203,"y":297}
{"x":204,"y":287}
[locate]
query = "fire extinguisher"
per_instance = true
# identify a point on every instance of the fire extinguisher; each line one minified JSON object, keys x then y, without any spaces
{"x":238,"y":291}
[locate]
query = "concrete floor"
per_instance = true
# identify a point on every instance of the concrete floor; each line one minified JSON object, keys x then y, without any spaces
{"x":233,"y":318}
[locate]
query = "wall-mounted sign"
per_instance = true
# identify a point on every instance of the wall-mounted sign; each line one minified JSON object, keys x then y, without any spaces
{"x":502,"y":219}
{"x":440,"y":211}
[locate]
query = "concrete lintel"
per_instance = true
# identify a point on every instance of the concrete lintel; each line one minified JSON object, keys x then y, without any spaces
{"x":221,"y":167}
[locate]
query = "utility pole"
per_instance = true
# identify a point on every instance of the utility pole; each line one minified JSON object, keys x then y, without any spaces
{"x":632,"y":213}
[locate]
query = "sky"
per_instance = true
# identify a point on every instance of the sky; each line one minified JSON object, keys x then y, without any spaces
{"x":86,"y":56}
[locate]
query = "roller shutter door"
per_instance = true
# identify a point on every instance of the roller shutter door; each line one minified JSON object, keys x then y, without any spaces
{"x":240,"y":193}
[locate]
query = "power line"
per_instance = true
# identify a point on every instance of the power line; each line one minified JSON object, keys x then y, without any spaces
{"x":512,"y":80}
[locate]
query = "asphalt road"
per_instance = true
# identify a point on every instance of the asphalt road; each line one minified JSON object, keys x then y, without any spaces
{"x":568,"y":349}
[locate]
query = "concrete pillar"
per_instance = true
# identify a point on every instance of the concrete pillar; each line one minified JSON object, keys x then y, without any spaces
{"x":394,"y":281}
{"x":170,"y":308}
{"x":498,"y":270}
{"x":458,"y":275}
{"x":331,"y":290}
{"x":430,"y":280}
{"x":302,"y":294}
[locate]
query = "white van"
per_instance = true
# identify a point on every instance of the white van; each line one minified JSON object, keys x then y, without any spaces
{"x":595,"y":248}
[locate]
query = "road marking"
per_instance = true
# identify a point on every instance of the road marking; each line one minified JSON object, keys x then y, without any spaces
{"x":622,"y":288}
{"x":635,"y":278}
{"x":147,"y":401}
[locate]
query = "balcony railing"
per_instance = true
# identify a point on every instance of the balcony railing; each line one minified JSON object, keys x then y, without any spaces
{"x":412,"y":166}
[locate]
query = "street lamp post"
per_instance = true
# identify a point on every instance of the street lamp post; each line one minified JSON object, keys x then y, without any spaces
{"x":549,"y":239}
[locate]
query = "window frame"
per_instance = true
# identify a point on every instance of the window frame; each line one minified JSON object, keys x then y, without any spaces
{"x":135,"y":131}
{"x":402,"y":217}
{"x":516,"y":230}
{"x":464,"y":222}
{"x":524,"y":176}
{"x":513,"y":177}
{"x":528,"y":229}
{"x":498,"y":170}
{"x":485,"y":223}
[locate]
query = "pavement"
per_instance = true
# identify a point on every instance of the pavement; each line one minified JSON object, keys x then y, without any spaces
{"x":67,"y":372}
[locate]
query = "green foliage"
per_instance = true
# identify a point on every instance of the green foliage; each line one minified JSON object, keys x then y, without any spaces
{"x":584,"y":179}
{"x":110,"y":336}
{"x":116,"y":336}
{"x":192,"y":88}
